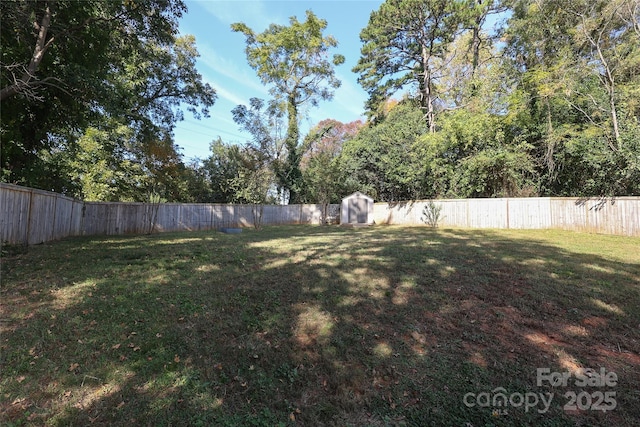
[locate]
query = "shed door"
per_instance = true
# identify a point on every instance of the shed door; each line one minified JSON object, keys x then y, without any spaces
{"x":358,"y":210}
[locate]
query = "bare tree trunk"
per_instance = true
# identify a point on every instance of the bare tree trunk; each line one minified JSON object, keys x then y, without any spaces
{"x":596,"y":39}
{"x":257,"y":210}
{"x":427,"y":100}
{"x":292,"y":169}
{"x":475,"y":46}
{"x":609,"y":81}
{"x":614,"y":117}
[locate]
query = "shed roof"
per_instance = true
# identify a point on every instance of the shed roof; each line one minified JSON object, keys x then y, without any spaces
{"x":358,"y":194}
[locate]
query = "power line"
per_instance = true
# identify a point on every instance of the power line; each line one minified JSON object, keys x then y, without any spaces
{"x":195,"y":131}
{"x":211,"y":128}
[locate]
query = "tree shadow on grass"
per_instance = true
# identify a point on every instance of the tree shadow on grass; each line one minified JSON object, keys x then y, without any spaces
{"x":315,"y":326}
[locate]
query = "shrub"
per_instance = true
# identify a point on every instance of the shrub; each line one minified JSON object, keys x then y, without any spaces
{"x":432,"y":214}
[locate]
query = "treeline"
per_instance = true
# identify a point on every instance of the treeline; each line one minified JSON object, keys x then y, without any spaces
{"x":546,"y":102}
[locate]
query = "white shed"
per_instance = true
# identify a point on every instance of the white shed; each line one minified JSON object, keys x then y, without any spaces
{"x":356,"y":209}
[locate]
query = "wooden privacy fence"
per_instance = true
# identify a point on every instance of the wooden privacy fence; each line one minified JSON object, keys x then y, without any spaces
{"x":30,"y":216}
{"x":620,"y":215}
{"x":34,"y":216}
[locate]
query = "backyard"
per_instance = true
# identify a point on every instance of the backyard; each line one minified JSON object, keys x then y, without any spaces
{"x":312,"y":325}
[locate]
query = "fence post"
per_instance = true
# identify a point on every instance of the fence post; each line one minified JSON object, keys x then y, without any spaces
{"x":26,"y":237}
{"x":508,"y":213}
{"x":466,"y":205}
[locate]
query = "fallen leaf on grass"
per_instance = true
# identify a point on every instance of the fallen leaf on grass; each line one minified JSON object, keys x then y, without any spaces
{"x":115,"y":347}
{"x":73,"y":367}
{"x":18,"y":400}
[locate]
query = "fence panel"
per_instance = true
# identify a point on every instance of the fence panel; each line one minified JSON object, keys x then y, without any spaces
{"x":15,"y":203}
{"x":41,"y":225}
{"x":529,"y":213}
{"x":398,"y":212}
{"x":76,"y":219}
{"x":615,"y":216}
{"x":566,"y":214}
{"x":63,"y":217}
{"x":310,"y":214}
{"x":454,"y":213}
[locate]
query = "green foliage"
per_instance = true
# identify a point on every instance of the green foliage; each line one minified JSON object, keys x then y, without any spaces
{"x":470,"y":157}
{"x":91,"y":92}
{"x":575,"y":64}
{"x":587,"y":166}
{"x":265,"y":122}
{"x":222,"y":168}
{"x":554,"y":113}
{"x":381,"y":160}
{"x":240,"y":174}
{"x":108,"y":77}
{"x":97,"y":165}
{"x":293,"y":58}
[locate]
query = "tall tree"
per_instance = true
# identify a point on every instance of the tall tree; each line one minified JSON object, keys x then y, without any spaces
{"x":295,"y":61}
{"x":474,"y":17}
{"x":70,"y":69}
{"x":402,"y":44}
{"x":474,"y":79}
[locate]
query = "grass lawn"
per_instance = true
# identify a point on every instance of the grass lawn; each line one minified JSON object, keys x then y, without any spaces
{"x":319,"y":326}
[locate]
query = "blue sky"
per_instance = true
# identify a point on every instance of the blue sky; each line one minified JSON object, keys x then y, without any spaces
{"x":223,"y":64}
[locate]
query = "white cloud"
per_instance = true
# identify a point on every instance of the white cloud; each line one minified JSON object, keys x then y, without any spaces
{"x":230,"y":69}
{"x":230,"y":96}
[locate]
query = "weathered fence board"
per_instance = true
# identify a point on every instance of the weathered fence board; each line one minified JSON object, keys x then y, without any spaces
{"x":14,"y":208}
{"x":31,"y":216}
{"x":529,"y":213}
{"x":618,"y":216}
{"x":454,"y":213}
